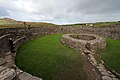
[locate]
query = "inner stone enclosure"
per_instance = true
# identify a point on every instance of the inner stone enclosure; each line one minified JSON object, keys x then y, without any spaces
{"x":84,"y":42}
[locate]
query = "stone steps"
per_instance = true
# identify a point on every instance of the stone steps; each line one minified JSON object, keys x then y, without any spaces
{"x":8,"y":57}
{"x":2,"y":61}
{"x":2,"y":68}
{"x":7,"y":53}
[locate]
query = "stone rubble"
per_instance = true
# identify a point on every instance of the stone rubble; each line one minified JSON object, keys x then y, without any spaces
{"x":106,"y":74}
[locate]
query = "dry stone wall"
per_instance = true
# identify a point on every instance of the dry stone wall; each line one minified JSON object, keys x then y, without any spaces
{"x":30,"y":33}
{"x":4,"y":46}
{"x":84,"y":42}
{"x":105,"y":31}
{"x":20,"y":36}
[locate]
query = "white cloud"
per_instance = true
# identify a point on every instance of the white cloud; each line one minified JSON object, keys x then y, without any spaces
{"x":58,"y":11}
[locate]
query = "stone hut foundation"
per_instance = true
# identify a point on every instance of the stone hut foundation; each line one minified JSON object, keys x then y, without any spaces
{"x":84,"y":42}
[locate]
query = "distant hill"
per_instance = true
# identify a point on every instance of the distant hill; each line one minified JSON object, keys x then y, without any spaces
{"x":7,"y":19}
{"x":11,"y":23}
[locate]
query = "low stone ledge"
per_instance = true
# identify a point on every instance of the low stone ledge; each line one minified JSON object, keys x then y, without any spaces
{"x":27,"y":76}
{"x":18,"y":39}
{"x":4,"y":36}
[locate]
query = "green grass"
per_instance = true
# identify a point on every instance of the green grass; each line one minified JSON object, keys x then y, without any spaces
{"x":46,"y":57}
{"x":112,"y":54}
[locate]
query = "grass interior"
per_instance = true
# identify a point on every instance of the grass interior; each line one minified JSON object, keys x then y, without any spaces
{"x":48,"y":58}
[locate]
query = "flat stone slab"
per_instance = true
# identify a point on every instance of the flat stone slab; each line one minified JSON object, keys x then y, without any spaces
{"x":106,"y":78}
{"x":25,"y":76}
{"x":105,"y":73}
{"x":102,"y":70}
{"x":7,"y":53}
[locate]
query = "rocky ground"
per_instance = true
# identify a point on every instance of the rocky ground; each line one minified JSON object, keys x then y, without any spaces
{"x":97,"y":70}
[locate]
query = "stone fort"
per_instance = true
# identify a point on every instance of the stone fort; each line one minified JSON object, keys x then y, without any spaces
{"x":21,"y":35}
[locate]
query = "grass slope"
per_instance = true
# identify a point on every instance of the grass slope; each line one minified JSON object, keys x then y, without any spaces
{"x":112,"y":54}
{"x":46,"y":57}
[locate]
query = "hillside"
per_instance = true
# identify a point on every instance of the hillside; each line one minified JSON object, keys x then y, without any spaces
{"x":7,"y":19}
{"x":11,"y":23}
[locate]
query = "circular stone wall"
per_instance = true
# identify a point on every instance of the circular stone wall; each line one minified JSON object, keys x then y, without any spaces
{"x":84,"y":42}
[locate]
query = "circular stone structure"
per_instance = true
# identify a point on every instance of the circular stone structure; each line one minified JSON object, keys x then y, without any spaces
{"x":89,"y":42}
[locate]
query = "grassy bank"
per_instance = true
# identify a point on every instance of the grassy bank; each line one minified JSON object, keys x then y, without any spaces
{"x":112,"y":54}
{"x":46,"y":57}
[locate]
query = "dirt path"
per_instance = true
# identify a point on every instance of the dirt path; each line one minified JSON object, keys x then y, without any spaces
{"x":91,"y":71}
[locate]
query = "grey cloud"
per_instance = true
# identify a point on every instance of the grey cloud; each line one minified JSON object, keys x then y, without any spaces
{"x":96,"y":6}
{"x":3,"y":12}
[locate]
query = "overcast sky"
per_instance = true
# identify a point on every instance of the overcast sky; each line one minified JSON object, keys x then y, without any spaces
{"x":61,"y":11}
